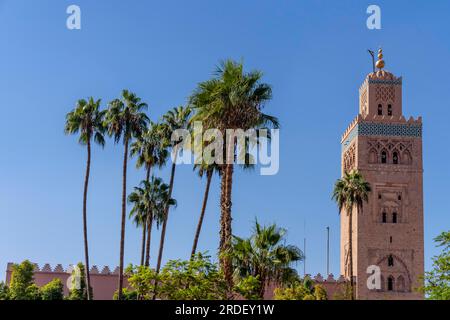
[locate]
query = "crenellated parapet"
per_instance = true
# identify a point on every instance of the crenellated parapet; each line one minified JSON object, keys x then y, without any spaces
{"x":59,"y":269}
{"x":319,"y":279}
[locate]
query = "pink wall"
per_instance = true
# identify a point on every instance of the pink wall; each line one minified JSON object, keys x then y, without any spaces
{"x":104,"y":283}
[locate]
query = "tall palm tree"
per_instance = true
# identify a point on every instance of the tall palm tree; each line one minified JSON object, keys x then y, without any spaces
{"x":125,"y":120}
{"x":175,"y":119}
{"x":351,"y":192}
{"x":264,"y":255}
{"x":232,"y":100}
{"x":87,"y":119}
{"x":149,"y":203}
{"x":150,"y":152}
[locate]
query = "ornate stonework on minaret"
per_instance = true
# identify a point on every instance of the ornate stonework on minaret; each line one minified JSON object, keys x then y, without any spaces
{"x":387,"y":149}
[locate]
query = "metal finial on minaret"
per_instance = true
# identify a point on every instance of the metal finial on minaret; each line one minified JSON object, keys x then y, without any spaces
{"x":373,"y":59}
{"x":380,"y":62}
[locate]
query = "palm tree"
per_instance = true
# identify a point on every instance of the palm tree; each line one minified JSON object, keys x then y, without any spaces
{"x":349,"y":192}
{"x":150,"y":151}
{"x":232,"y":100}
{"x":125,"y":120}
{"x":176,"y":119}
{"x":149,"y":202}
{"x":264,"y":256}
{"x":87,"y":119}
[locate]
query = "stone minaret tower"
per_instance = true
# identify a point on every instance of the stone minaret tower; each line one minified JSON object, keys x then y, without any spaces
{"x":387,"y":150}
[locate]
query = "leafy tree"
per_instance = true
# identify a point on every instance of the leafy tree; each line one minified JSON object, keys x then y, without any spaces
{"x":176,"y":119}
{"x":87,"y":119}
{"x":127,"y":294}
{"x":301,"y":290}
{"x":320,"y":293}
{"x":249,"y":288}
{"x":194,"y":279}
{"x":33,"y":293}
{"x":4,"y":291}
{"x":437,"y":281}
{"x":231,"y":100}
{"x":21,"y":281}
{"x":54,"y":290}
{"x":265,"y":256}
{"x":79,"y":288}
{"x":125,"y":120}
{"x":142,"y":279}
{"x":351,"y":192}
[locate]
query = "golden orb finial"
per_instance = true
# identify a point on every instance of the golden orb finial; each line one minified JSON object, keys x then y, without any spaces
{"x":380,"y":62}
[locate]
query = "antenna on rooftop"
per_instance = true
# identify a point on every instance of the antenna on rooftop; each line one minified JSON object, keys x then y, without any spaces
{"x":328,"y":251}
{"x":304,"y":248}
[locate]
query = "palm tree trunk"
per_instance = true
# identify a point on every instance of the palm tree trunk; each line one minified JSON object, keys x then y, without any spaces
{"x":164,"y":226}
{"x":209,"y":175}
{"x":225,"y":214}
{"x":350,"y":251}
{"x":122,"y":227}
{"x":85,"y":235}
{"x":144,"y":229}
{"x":262,"y":289}
{"x":147,"y":228}
{"x":166,"y":217}
{"x":222,"y":196}
{"x":149,"y":235}
{"x":226,"y":224}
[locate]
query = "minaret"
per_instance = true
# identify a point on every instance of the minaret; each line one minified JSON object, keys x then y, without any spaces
{"x":387,"y":150}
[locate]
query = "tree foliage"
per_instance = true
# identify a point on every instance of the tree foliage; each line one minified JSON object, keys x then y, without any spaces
{"x":4,"y":291}
{"x":249,"y":288}
{"x":301,"y":290}
{"x":264,"y":256}
{"x":22,"y":286}
{"x":79,"y":287}
{"x":437,"y":281}
{"x":195,"y":279}
{"x":54,"y":290}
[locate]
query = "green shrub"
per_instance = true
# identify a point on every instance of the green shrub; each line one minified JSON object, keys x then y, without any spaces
{"x":22,"y":287}
{"x":53,"y":290}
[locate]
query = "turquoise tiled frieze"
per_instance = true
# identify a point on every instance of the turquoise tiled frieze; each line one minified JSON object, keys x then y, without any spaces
{"x":383,"y":129}
{"x":391,"y":82}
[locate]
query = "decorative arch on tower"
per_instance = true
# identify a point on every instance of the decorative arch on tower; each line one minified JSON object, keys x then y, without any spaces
{"x":398,"y":272}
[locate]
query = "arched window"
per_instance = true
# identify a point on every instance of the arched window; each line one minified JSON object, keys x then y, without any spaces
{"x":384,"y":217}
{"x":394,"y":217}
{"x":390,"y":284}
{"x":383,"y":157}
{"x":401,"y":284}
{"x":380,"y":110}
{"x":389,"y":110}
{"x":390,"y":261}
{"x":390,"y":239}
{"x":395,"y":158}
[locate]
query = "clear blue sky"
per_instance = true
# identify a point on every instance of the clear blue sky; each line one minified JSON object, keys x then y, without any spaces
{"x":312,"y":52}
